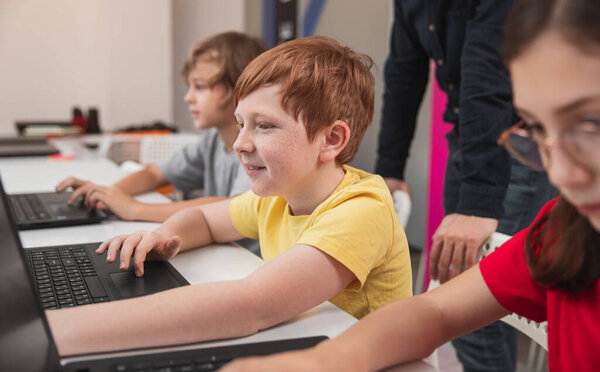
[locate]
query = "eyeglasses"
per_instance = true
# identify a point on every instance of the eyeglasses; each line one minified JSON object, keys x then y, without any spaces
{"x":530,"y":145}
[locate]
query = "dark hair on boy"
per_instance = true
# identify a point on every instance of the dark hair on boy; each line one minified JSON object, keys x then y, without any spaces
{"x":571,"y":259}
{"x":322,"y":81}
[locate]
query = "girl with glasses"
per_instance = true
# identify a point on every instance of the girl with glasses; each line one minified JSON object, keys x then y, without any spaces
{"x":550,"y":270}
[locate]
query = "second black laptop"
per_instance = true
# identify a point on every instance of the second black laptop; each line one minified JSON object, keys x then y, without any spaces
{"x":50,"y":209}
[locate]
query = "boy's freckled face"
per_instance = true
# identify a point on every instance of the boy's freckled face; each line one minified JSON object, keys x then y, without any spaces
{"x":273,"y":147}
{"x":206,"y":103}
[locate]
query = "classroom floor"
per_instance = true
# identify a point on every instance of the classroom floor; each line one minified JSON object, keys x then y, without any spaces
{"x":447,"y":357}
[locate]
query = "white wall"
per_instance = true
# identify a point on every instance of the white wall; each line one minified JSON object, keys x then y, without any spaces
{"x":111,"y":54}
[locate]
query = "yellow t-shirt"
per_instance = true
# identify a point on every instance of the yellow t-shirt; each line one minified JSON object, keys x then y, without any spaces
{"x":356,"y":225}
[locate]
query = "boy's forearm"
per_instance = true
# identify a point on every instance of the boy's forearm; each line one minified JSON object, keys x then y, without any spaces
{"x":190,"y":225}
{"x":142,"y":181}
{"x":183,"y":315}
{"x":161,"y":212}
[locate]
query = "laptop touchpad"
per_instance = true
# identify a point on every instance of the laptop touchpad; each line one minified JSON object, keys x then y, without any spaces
{"x":155,"y":279}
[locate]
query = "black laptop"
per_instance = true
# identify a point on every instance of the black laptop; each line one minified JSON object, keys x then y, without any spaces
{"x":26,"y":343}
{"x":50,"y":209}
{"x":26,"y":146}
{"x":71,"y":275}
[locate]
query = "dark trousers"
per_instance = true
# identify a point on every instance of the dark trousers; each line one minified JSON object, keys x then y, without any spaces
{"x":494,"y":347}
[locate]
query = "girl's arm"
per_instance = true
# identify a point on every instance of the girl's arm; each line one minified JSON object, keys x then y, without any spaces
{"x":408,"y":329}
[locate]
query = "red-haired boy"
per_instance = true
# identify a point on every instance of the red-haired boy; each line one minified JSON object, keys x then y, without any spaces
{"x":327,"y":231}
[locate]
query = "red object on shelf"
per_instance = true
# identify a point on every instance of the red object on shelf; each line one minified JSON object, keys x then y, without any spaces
{"x":78,"y":120}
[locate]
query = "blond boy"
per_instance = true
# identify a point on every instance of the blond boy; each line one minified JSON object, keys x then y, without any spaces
{"x":210,"y":70}
{"x":327,"y":231}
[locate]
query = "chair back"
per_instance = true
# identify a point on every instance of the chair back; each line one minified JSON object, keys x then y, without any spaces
{"x":154,"y":149}
{"x":402,"y":205}
{"x":538,"y":332}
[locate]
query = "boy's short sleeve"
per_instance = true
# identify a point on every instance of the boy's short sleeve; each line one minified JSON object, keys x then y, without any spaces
{"x":243,"y":211}
{"x":185,"y":168}
{"x":359,"y":233}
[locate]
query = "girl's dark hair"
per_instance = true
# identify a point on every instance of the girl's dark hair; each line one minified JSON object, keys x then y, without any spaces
{"x":562,"y":248}
{"x":576,"y":20}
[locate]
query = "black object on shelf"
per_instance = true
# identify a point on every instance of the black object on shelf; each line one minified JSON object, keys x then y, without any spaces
{"x":93,"y":124}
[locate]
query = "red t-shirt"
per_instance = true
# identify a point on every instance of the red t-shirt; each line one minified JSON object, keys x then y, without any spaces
{"x":573,"y":320}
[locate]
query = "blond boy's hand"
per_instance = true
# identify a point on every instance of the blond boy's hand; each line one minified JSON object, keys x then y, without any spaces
{"x":109,"y":197}
{"x":140,"y":245}
{"x":80,"y":188}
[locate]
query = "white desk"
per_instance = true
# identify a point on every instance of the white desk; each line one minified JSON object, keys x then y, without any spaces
{"x":40,"y":174}
{"x":213,"y":263}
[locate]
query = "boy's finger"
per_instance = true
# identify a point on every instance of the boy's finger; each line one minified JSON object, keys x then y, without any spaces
{"x":114,"y":246}
{"x":66,"y":183}
{"x":145,"y":246}
{"x":78,"y":193}
{"x":102,"y":248}
{"x":129,"y":245}
{"x":91,"y":197}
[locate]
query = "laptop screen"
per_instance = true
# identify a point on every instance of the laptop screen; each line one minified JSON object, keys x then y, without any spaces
{"x":25,"y":341}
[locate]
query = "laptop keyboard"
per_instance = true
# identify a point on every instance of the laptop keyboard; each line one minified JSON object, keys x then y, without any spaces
{"x":28,"y":207}
{"x":208,"y":359}
{"x":208,"y":363}
{"x":65,"y":277}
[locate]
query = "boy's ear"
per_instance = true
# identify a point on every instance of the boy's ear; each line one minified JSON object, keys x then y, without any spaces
{"x":336,"y":137}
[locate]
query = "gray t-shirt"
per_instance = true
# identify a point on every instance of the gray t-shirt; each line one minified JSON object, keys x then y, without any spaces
{"x":206,"y":165}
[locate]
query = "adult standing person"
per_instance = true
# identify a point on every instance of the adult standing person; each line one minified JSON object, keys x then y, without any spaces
{"x":485,"y":190}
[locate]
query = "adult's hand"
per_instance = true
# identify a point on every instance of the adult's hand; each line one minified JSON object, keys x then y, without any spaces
{"x":456,"y":243}
{"x":396,"y":184}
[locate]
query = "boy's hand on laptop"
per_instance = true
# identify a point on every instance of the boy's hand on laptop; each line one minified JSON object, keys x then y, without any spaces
{"x":80,"y":188}
{"x":118,"y":202}
{"x":140,"y":245}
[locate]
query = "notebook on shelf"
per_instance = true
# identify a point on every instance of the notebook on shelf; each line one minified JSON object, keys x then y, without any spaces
{"x":26,"y":146}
